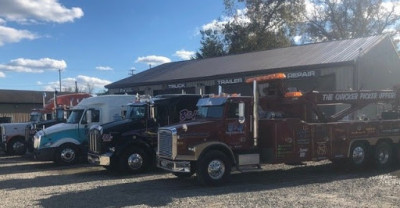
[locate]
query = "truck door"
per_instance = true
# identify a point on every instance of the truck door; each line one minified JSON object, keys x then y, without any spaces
{"x":321,"y":141}
{"x":237,"y":130}
{"x":89,"y":118}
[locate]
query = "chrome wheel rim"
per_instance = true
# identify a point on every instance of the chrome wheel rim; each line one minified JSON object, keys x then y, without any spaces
{"x":358,"y":155}
{"x":67,"y":155}
{"x":135,"y":161}
{"x":383,"y":156}
{"x":216,"y":169}
{"x":18,"y":146}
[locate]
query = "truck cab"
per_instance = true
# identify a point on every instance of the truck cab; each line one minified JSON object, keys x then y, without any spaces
{"x":129,"y":145}
{"x":66,"y":142}
{"x":13,"y":134}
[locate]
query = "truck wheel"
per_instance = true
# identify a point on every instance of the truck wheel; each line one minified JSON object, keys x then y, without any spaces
{"x":359,"y":155}
{"x":213,"y":168}
{"x":383,"y":155}
{"x":16,"y":147}
{"x":67,"y":154}
{"x":134,"y":160}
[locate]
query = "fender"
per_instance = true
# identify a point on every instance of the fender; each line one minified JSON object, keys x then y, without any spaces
{"x":65,"y":140}
{"x":200,"y":149}
{"x":9,"y":138}
{"x":128,"y":142}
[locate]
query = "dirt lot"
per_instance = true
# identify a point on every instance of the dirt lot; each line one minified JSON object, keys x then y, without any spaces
{"x":28,"y":183}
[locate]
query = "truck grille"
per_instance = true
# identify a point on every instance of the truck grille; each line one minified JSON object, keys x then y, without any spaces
{"x":165,"y":143}
{"x":95,"y":141}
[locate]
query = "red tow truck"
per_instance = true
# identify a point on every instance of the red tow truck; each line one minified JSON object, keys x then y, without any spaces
{"x":277,"y":125}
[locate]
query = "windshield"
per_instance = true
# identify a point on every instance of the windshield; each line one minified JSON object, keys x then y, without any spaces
{"x":35,"y":117}
{"x":213,"y":111}
{"x":136,"y":111}
{"x":75,"y":116}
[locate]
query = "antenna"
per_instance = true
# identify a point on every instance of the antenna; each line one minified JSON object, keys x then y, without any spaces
{"x":132,"y":71}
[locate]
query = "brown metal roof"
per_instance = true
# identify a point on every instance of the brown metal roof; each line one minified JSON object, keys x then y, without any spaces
{"x":24,"y":97}
{"x":326,"y":53}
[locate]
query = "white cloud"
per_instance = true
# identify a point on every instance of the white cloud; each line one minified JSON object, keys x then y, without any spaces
{"x":38,"y":10}
{"x":11,"y":35}
{"x":153,"y":60}
{"x":33,"y":66}
{"x":217,"y":25}
{"x":104,"y":68}
{"x":185,"y":55}
{"x":83,"y":83}
{"x":2,"y":75}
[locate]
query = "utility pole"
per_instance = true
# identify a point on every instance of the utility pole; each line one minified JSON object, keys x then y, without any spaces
{"x":59,"y":77}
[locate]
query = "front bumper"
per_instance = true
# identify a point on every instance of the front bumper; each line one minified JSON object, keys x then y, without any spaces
{"x":174,"y":166}
{"x":45,"y":154}
{"x":103,"y":160}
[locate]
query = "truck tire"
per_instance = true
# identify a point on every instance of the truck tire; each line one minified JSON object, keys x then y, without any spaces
{"x":16,"y":147}
{"x":359,"y":155}
{"x":383,"y":155}
{"x":213,"y":168}
{"x":67,"y":154}
{"x":134,"y":160}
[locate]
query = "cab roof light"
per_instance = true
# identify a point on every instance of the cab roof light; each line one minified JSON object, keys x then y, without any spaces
{"x":225,"y":95}
{"x":293,"y":94}
{"x":266,"y":77}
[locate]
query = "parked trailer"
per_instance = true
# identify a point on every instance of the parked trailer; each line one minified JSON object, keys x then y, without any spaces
{"x":279,"y":127}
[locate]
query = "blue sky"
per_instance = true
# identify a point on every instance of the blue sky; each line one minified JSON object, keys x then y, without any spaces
{"x":95,"y":42}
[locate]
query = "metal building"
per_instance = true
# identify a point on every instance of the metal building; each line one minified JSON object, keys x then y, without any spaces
{"x":363,"y":63}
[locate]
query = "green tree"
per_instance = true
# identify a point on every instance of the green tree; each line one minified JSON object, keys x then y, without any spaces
{"x":265,"y":24}
{"x":335,"y":20}
{"x":211,"y":44}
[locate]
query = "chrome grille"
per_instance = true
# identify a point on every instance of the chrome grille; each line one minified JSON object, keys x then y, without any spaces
{"x":95,"y":141}
{"x":165,"y":142}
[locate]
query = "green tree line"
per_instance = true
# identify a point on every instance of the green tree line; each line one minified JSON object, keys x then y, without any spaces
{"x":254,"y":25}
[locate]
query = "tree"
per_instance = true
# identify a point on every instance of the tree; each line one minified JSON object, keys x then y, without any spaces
{"x":263,"y":25}
{"x":212,"y":45}
{"x":271,"y":24}
{"x":344,"y":19}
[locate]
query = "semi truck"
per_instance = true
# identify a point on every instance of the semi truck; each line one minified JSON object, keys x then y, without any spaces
{"x":130,"y":145}
{"x":54,"y":112}
{"x":14,"y":135}
{"x":66,"y":143}
{"x":281,"y":125}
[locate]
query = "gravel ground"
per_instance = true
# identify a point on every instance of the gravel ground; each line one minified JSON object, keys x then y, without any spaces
{"x":28,"y":183}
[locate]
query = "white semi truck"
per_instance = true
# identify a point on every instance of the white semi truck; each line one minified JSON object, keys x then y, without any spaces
{"x":65,"y":143}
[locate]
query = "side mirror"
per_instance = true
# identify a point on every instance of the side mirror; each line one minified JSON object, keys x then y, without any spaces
{"x":241,"y":113}
{"x":89,"y":116}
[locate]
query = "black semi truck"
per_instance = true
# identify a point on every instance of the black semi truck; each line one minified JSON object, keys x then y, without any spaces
{"x":129,"y":145}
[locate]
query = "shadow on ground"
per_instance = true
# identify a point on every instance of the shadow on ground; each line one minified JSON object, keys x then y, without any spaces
{"x":161,"y":192}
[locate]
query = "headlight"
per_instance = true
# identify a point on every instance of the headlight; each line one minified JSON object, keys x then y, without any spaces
{"x":36,"y":140}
